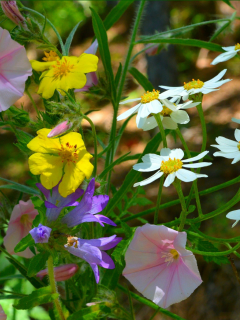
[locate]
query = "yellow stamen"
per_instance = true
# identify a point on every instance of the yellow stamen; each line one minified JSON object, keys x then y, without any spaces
{"x":194,"y":84}
{"x":25,"y":220}
{"x":50,"y":56}
{"x":238,"y":146}
{"x":62,"y":68}
{"x":150,"y":96}
{"x":171,"y":166}
{"x":170,"y":256}
{"x":237,"y":46}
{"x":68,"y":153}
{"x":165,"y":111}
{"x":174,"y":253}
{"x":72,"y":242}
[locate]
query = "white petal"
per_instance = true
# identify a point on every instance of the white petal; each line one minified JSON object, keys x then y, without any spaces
{"x":180,"y":116}
{"x":139,"y":120}
{"x":230,"y":48}
{"x":155,"y":106}
{"x":236,"y":159}
{"x":198,"y":157}
{"x":235,"y":223}
{"x":169,"y":180}
{"x":185,"y":96}
{"x":146,"y":166}
{"x":176,"y":153}
{"x":188,"y":105}
{"x":165,"y":152}
{"x":150,"y":124}
{"x":207,"y":90}
{"x":216,"y":84}
{"x":225,"y":148}
{"x":236,"y":120}
{"x":197,"y":165}
{"x":168,"y":123}
{"x":234,"y":215}
{"x":128,"y":113}
{"x":168,"y":104}
{"x":237,"y":135}
{"x":223,"y":57}
{"x":230,"y":155}
{"x":175,"y":100}
{"x":149,"y":180}
{"x":171,"y":93}
{"x":217,"y":77}
{"x":186,"y":175}
{"x":222,"y":140}
{"x":171,"y":88}
{"x":130,"y":100}
{"x":153,"y":158}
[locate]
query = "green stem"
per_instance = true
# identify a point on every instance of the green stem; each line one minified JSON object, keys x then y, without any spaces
{"x":131,"y":305}
{"x":214,"y":254}
{"x":201,"y":235}
{"x":95,"y":144}
{"x":195,"y":187}
{"x":160,"y":126}
{"x":183,"y":216}
{"x":203,"y":124}
{"x":158,"y":199}
{"x":33,"y":103}
{"x":53,"y":27}
{"x":54,"y":287}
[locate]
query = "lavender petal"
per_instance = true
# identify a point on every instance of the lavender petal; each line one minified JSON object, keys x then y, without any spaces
{"x":102,"y":219}
{"x":98,"y":203}
{"x":107,"y":261}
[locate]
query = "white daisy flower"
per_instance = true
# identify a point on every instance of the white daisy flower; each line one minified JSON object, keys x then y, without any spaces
{"x":228,"y":148}
{"x":171,"y":115}
{"x":151,"y":102}
{"x":234,"y":215}
{"x":194,"y":87}
{"x":236,"y":120}
{"x":230,"y":53}
{"x":170,"y":164}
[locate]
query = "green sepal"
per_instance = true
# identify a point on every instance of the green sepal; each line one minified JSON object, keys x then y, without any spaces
{"x":37,"y":263}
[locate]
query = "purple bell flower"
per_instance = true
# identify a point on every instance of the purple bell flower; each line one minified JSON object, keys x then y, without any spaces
{"x":88,"y":208}
{"x":40,"y":234}
{"x":92,"y":251}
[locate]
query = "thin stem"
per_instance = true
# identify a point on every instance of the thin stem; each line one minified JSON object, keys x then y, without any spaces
{"x":160,"y":126}
{"x":183,"y":216}
{"x":215,"y":254}
{"x":231,"y":260}
{"x":53,"y":286}
{"x":53,"y":27}
{"x":195,"y":187}
{"x":95,"y":144}
{"x":152,"y":317}
{"x":204,"y":128}
{"x":131,"y":305}
{"x":33,"y":103}
{"x":158,"y":199}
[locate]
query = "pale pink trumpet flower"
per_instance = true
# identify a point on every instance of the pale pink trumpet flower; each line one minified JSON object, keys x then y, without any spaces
{"x":3,"y":315}
{"x":61,"y":273}
{"x":11,"y":10}
{"x":19,"y":226}
{"x":60,"y":128}
{"x":159,"y":266}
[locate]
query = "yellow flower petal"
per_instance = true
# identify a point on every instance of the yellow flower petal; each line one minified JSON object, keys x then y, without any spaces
{"x":41,"y":66}
{"x":84,"y":164}
{"x":71,"y":180}
{"x":74,"y":80}
{"x":48,"y":84}
{"x":43,"y":144}
{"x":87,"y":63}
{"x":50,"y":168}
{"x":73,"y":138}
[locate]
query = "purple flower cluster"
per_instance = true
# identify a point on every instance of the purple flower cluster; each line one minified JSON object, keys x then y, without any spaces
{"x":87,"y":210}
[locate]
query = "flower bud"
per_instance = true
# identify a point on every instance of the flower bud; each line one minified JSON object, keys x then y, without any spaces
{"x":3,"y":315}
{"x":61,"y":273}
{"x":41,"y":233}
{"x":152,"y":49}
{"x":59,"y":129}
{"x":11,"y":10}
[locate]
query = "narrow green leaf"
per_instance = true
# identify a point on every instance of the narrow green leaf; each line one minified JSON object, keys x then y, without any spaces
{"x":101,"y":35}
{"x":185,"y":42}
{"x":36,"y":298}
{"x":118,"y":75}
{"x":24,"y":243}
{"x":141,"y":79}
{"x":9,"y":296}
{"x":20,"y":187}
{"x":37,"y":263}
{"x":228,"y":3}
{"x":86,"y":314}
{"x":70,"y":38}
{"x":112,"y":165}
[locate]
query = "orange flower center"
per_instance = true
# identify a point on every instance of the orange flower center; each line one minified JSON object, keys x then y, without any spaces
{"x":170,"y":256}
{"x":238,"y":146}
{"x":194,"y":84}
{"x":150,"y":96}
{"x":171,"y":166}
{"x":62,"y":68}
{"x":50,"y":56}
{"x":72,"y":242}
{"x":68,"y":153}
{"x":237,"y":46}
{"x":165,"y":111}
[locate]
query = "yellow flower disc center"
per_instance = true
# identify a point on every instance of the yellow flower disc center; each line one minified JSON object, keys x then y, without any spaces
{"x":68,"y":153}
{"x":62,"y":68}
{"x":174,"y":254}
{"x":171,"y":166}
{"x":194,"y":84}
{"x":72,"y":242}
{"x":238,"y":146}
{"x":50,"y":56}
{"x":237,"y":46}
{"x":150,"y":96}
{"x":165,"y":111}
{"x":25,"y":219}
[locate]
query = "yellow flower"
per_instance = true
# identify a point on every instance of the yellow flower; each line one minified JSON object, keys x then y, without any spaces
{"x":63,"y":158}
{"x":65,"y":73}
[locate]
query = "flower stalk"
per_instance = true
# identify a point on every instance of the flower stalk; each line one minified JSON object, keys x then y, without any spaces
{"x":160,"y":126}
{"x":183,"y":216}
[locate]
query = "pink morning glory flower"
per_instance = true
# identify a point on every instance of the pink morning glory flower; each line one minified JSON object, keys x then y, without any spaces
{"x":19,"y":226}
{"x":14,"y":70}
{"x":159,"y":266}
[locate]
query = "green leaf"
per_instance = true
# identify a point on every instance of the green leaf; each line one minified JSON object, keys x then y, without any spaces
{"x":86,"y":313}
{"x":20,"y":187}
{"x":23,"y":140}
{"x":9,"y":296}
{"x":36,"y":298}
{"x":113,"y":164}
{"x":118,"y":75}
{"x":70,"y":38}
{"x":37,"y":263}
{"x":228,"y":3}
{"x":185,"y":42}
{"x":101,"y":35}
{"x":141,"y":79}
{"x":207,"y":246}
{"x":24,"y":243}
